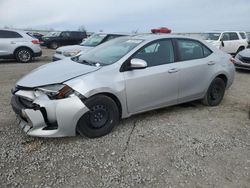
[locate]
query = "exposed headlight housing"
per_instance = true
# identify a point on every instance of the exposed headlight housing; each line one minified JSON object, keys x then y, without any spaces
{"x":71,"y":53}
{"x":55,"y":91}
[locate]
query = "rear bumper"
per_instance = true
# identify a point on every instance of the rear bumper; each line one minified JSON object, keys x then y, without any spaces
{"x":37,"y":54}
{"x":49,"y":118}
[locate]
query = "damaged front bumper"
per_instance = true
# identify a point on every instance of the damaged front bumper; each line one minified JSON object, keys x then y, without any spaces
{"x":44,"y":117}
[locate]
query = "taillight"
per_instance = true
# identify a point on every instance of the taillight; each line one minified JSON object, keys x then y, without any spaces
{"x":35,"y":41}
{"x":232,"y":60}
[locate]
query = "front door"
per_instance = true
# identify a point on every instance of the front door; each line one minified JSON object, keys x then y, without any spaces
{"x":156,"y":85}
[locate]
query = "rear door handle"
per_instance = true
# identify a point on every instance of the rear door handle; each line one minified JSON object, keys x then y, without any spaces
{"x":173,"y":70}
{"x":211,"y":63}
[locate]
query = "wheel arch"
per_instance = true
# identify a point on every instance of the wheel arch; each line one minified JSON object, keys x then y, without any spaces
{"x":20,"y":47}
{"x":114,"y":98}
{"x":223,"y":77}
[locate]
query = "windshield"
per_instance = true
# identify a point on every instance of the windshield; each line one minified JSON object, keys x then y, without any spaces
{"x":109,"y":52}
{"x":93,"y":40}
{"x":52,"y":34}
{"x":211,"y":36}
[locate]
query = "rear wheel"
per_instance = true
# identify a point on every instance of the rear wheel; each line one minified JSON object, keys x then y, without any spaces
{"x":103,"y":115}
{"x":215,"y":93}
{"x":54,"y":45}
{"x":23,"y":55}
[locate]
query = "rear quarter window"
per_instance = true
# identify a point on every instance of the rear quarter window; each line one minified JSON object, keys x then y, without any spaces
{"x":243,"y":35}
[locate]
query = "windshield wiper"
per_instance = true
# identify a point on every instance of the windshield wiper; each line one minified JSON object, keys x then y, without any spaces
{"x":97,"y":64}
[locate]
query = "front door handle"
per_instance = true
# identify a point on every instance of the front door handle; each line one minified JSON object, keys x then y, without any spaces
{"x":211,"y":63}
{"x":173,"y":70}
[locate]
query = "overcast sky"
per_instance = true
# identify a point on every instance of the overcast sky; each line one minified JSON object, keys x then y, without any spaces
{"x":127,"y":15}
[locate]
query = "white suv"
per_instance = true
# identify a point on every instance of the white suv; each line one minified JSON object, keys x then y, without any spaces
{"x":15,"y":44}
{"x":229,"y":41}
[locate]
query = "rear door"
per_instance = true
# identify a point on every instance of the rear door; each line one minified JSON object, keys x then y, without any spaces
{"x":196,"y":67}
{"x":156,"y":85}
{"x":231,"y":42}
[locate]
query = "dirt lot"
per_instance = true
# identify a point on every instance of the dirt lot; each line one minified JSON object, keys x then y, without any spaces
{"x":182,"y":146}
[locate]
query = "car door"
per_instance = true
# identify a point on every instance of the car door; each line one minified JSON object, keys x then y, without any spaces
{"x":231,"y":42}
{"x":65,"y":38}
{"x":8,"y":40}
{"x":196,"y":66}
{"x":157,"y":84}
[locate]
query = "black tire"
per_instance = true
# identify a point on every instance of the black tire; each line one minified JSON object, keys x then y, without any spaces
{"x":215,"y":92}
{"x":54,"y":45}
{"x":101,"y":119}
{"x":23,"y":55}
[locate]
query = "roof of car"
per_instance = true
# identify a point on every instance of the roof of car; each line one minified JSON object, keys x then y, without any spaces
{"x":16,"y":30}
{"x":220,"y":31}
{"x":151,"y":36}
{"x":115,"y":33}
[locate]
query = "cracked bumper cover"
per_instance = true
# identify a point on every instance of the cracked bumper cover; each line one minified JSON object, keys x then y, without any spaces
{"x":38,"y":120}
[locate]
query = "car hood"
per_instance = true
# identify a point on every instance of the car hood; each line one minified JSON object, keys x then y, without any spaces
{"x":245,"y":53}
{"x":74,"y":48}
{"x":56,"y":72}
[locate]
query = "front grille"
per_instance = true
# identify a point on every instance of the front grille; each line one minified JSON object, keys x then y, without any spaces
{"x":244,"y":59}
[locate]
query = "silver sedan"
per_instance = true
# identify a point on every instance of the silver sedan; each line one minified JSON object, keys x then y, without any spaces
{"x":90,"y":93}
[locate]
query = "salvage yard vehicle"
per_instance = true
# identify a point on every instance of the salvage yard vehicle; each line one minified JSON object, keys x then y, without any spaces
{"x":242,"y":60}
{"x":55,"y":39}
{"x":231,"y":42}
{"x":88,"y":44}
{"x":16,"y":44}
{"x":89,"y":94}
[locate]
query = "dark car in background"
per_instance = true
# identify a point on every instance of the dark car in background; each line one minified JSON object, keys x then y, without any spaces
{"x":62,"y":38}
{"x":36,"y":35}
{"x":88,"y":44}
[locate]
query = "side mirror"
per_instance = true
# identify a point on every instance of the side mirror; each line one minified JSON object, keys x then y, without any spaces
{"x":138,"y":64}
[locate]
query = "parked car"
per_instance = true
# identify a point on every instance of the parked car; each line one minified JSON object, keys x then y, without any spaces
{"x":88,"y":94}
{"x":55,"y":39}
{"x":230,"y":42}
{"x":161,"y":30}
{"x":15,"y":44}
{"x":248,"y":40}
{"x":242,"y":60}
{"x":87,"y":44}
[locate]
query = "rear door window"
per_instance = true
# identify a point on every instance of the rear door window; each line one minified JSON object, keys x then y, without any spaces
{"x":233,"y":36}
{"x":9,"y":34}
{"x":191,"y":49}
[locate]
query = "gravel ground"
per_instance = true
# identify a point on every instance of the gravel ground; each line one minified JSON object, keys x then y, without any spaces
{"x":187,"y":145}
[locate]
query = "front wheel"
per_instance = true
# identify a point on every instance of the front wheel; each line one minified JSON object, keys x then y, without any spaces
{"x":102,"y":117}
{"x":215,"y":93}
